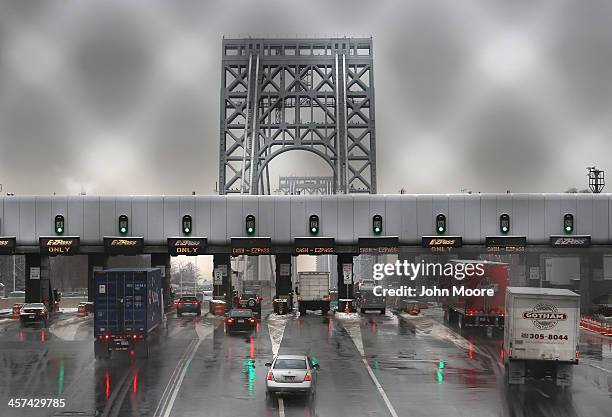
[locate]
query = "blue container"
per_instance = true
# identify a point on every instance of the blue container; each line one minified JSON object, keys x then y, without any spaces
{"x":128,"y":302}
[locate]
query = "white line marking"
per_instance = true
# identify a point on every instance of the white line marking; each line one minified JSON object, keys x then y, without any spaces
{"x":175,"y":391}
{"x":380,"y":388}
{"x":354,"y":331}
{"x":599,"y":367}
{"x":171,"y":381}
{"x":542,"y":393}
{"x":281,"y":407}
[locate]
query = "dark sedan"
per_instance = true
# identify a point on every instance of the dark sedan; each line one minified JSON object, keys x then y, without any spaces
{"x":33,"y":313}
{"x":188,"y":304}
{"x":240,"y":319}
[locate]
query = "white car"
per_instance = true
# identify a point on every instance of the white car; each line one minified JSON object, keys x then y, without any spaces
{"x":292,"y":374}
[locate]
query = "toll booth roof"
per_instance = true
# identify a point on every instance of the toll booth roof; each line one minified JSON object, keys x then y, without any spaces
{"x":542,"y":291}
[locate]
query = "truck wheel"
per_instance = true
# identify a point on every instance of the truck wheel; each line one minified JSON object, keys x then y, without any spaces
{"x":383,"y":311}
{"x":199,"y":313}
{"x":324,"y":312}
{"x":362,"y":310}
{"x":179,"y":314}
{"x":302,"y":311}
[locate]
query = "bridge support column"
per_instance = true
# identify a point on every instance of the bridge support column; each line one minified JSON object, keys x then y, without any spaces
{"x":36,"y":278}
{"x":345,"y":290}
{"x":95,"y":262}
{"x":162,"y":261}
{"x":283,"y":274}
{"x":222,"y":261}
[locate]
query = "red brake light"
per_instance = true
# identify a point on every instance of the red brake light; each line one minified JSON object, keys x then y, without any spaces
{"x":252,"y":320}
{"x":230,"y":320}
{"x":134,"y":336}
{"x":577,"y":355}
{"x":270,"y":376}
{"x":106,"y":336}
{"x":308,"y":376}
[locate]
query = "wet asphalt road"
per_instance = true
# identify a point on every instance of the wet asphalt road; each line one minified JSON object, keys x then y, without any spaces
{"x":370,"y":366}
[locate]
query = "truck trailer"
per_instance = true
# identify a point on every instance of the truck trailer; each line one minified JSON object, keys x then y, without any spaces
{"x":541,"y":334}
{"x":313,"y":292}
{"x":477,"y":311}
{"x":127,"y":309}
{"x":367,"y":300}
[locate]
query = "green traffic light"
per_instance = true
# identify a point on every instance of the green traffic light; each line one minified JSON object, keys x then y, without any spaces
{"x":60,"y":230}
{"x":123,"y":230}
{"x":186,"y":230}
{"x":314,"y":230}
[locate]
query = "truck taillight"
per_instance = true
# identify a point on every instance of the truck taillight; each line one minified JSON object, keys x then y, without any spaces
{"x":134,"y":336}
{"x":106,"y":336}
{"x":252,"y":320}
{"x":577,"y":355}
{"x":270,"y":376}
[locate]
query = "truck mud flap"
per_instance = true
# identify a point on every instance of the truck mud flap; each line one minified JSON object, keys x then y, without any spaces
{"x":564,"y":374}
{"x":515,"y":373}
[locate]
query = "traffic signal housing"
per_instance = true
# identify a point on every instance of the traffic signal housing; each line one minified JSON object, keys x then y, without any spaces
{"x":60,"y":225}
{"x":377,"y":224}
{"x":568,"y":223}
{"x":123,"y":225}
{"x":187,"y":224}
{"x":504,"y":223}
{"x":250,"y":225}
{"x":440,"y":223}
{"x":313,"y":224}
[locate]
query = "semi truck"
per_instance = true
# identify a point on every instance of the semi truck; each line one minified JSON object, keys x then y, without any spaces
{"x":367,"y":300}
{"x":128,"y":308}
{"x":313,"y":292}
{"x":466,"y":310}
{"x":541,"y":334}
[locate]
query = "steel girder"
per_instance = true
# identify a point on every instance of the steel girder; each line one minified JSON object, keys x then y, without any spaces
{"x":315,"y":95}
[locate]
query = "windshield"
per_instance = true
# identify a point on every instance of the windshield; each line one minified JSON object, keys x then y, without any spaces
{"x":290,"y":364}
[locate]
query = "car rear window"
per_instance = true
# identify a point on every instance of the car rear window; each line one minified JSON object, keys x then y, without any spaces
{"x":290,"y":364}
{"x":241,"y":313}
{"x":188,"y":299}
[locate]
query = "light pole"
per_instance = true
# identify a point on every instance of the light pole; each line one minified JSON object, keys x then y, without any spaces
{"x":14,"y":273}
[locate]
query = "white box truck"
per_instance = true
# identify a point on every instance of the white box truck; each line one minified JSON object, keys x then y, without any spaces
{"x":313,"y":292}
{"x":541,"y":334}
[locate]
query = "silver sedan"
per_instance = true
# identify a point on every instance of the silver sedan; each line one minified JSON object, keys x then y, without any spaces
{"x":292,"y":374}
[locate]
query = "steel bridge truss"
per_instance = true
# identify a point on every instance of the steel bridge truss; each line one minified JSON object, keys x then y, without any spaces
{"x":315,"y":95}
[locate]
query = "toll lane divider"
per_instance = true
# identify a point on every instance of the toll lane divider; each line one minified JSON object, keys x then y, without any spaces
{"x":596,"y":326}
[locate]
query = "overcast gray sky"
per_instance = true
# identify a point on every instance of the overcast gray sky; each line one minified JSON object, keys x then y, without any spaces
{"x":122,"y":96}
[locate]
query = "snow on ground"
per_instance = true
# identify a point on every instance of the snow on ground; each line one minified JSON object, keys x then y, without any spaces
{"x":67,"y":329}
{"x":276,"y":327}
{"x":426,"y":324}
{"x":349,"y":316}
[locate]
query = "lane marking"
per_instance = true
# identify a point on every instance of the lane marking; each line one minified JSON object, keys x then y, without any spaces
{"x":380,"y":388}
{"x":598,"y":367}
{"x":542,"y":393}
{"x":354,"y":332}
{"x":163,"y":399}
{"x":281,"y":407}
{"x":180,"y":380}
